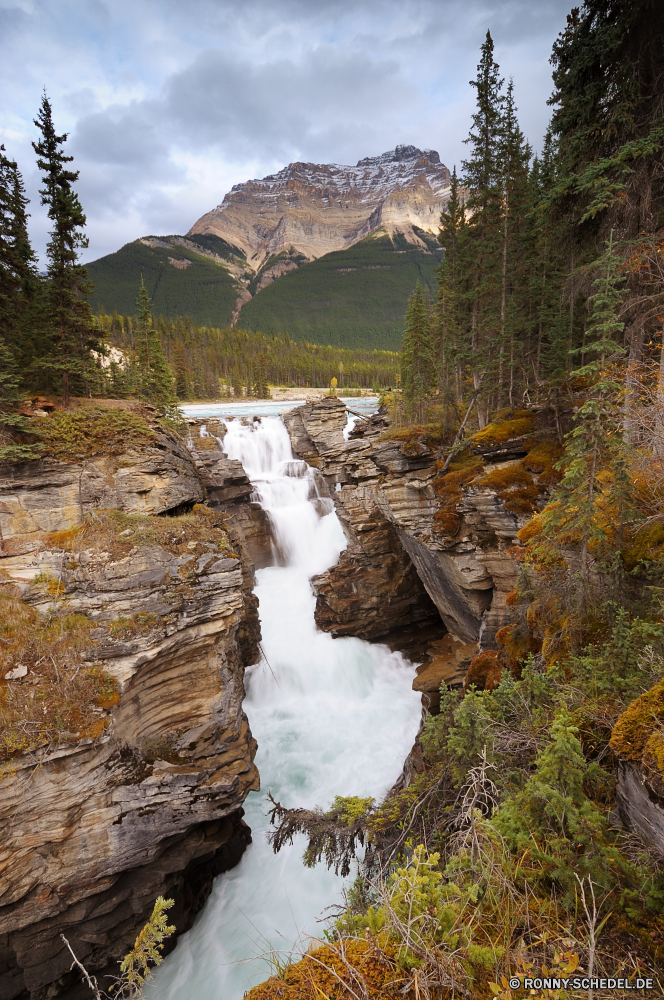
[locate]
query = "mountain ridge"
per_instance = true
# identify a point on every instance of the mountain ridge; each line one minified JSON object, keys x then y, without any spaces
{"x":288,"y":227}
{"x":318,"y":208}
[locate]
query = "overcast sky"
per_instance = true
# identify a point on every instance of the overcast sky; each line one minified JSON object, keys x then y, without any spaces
{"x":168,"y":103}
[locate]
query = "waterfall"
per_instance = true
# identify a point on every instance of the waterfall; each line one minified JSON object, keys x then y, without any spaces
{"x":331,"y":717}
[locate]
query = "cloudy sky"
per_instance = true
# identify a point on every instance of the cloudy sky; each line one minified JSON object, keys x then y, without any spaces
{"x":168,"y":103}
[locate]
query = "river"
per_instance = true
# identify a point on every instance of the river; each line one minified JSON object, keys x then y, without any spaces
{"x":331,"y":717}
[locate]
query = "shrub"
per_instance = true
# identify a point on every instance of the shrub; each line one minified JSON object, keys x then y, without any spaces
{"x":75,"y":435}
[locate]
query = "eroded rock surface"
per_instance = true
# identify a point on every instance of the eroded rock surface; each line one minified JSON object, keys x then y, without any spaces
{"x":92,"y":830}
{"x":398,"y":568}
{"x":314,"y":208}
{"x":41,"y":497}
{"x":229,"y":490}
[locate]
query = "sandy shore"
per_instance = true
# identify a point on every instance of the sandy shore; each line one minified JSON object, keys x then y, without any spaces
{"x":279,"y":396}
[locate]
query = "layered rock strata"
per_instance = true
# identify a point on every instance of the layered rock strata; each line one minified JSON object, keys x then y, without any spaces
{"x":383,"y":490}
{"x":314,"y":208}
{"x":93,"y":829}
{"x":229,"y":490}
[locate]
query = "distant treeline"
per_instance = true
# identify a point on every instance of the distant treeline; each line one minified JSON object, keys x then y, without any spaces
{"x":207,"y":362}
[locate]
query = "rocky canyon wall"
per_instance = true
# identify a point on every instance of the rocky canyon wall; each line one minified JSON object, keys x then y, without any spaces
{"x":398,"y":570}
{"x":94,"y":825}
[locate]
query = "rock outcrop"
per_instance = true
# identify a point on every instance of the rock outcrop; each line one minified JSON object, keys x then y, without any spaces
{"x":94,"y":828}
{"x":638,"y":742}
{"x":314,"y":208}
{"x":398,"y":568}
{"x":229,"y":490}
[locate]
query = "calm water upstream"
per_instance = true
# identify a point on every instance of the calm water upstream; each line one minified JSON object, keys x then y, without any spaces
{"x":331,"y":716}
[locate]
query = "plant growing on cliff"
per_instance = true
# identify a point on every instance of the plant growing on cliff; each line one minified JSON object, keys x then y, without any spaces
{"x":135,"y":968}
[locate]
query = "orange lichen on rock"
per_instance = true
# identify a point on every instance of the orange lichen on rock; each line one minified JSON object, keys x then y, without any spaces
{"x":514,"y":486}
{"x":485,"y":671}
{"x":449,"y":490}
{"x":542,"y":459}
{"x":332,"y":972}
{"x":517,"y":642}
{"x":638,"y":735}
{"x":507,"y":424}
{"x":647,"y":544}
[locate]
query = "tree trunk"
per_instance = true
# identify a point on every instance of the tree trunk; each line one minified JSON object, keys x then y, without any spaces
{"x":630,"y":420}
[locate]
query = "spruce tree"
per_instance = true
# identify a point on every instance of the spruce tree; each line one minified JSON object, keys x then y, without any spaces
{"x":71,"y":329}
{"x":451,"y":344}
{"x":261,"y":390}
{"x":417,"y":355}
{"x":19,"y":281}
{"x":589,"y":508}
{"x":483,"y":178}
{"x":514,"y":157}
{"x":156,"y":378}
{"x":12,"y":422}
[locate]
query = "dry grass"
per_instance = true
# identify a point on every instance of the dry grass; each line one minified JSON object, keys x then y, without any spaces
{"x":62,"y":697}
{"x":118,"y":533}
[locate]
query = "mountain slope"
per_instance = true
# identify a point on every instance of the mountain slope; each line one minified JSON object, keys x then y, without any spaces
{"x":328,"y":253}
{"x":349,"y":298}
{"x":182,"y":276}
{"x":318,"y":208}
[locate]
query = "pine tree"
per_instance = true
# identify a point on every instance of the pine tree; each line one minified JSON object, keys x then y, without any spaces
{"x":71,"y":327}
{"x":156,"y":378}
{"x":514,"y":156}
{"x":451,"y":344}
{"x":11,"y":421}
{"x":418,"y":373}
{"x":181,"y":371}
{"x":19,"y":282}
{"x":483,"y":177}
{"x":588,"y":508}
{"x":261,"y":390}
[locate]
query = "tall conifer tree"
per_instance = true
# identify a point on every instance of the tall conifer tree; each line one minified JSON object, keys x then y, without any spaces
{"x":71,"y":327}
{"x":417,"y":355}
{"x":483,"y":178}
{"x":155,"y":376}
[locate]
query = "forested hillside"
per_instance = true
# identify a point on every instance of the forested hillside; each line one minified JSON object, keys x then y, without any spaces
{"x":207,"y":362}
{"x":354,"y":298}
{"x":180,"y":279}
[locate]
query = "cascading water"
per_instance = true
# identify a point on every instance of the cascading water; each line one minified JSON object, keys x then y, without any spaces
{"x":331,"y":717}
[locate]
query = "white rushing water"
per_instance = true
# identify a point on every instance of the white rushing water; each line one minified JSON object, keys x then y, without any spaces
{"x":331,"y":717}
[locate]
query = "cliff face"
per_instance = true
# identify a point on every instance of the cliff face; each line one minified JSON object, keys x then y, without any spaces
{"x":229,"y":490}
{"x":638,"y":742}
{"x":397,"y":568}
{"x":316,"y":208}
{"x":94,"y":827}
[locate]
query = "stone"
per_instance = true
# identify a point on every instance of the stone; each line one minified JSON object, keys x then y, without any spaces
{"x":20,"y":671}
{"x":94,"y":829}
{"x":229,"y":490}
{"x":307,"y":210}
{"x":384,"y":496}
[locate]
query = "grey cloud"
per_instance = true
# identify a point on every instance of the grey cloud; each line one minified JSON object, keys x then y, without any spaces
{"x":282,"y":108}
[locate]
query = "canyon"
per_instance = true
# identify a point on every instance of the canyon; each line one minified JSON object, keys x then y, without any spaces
{"x":95,"y":826}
